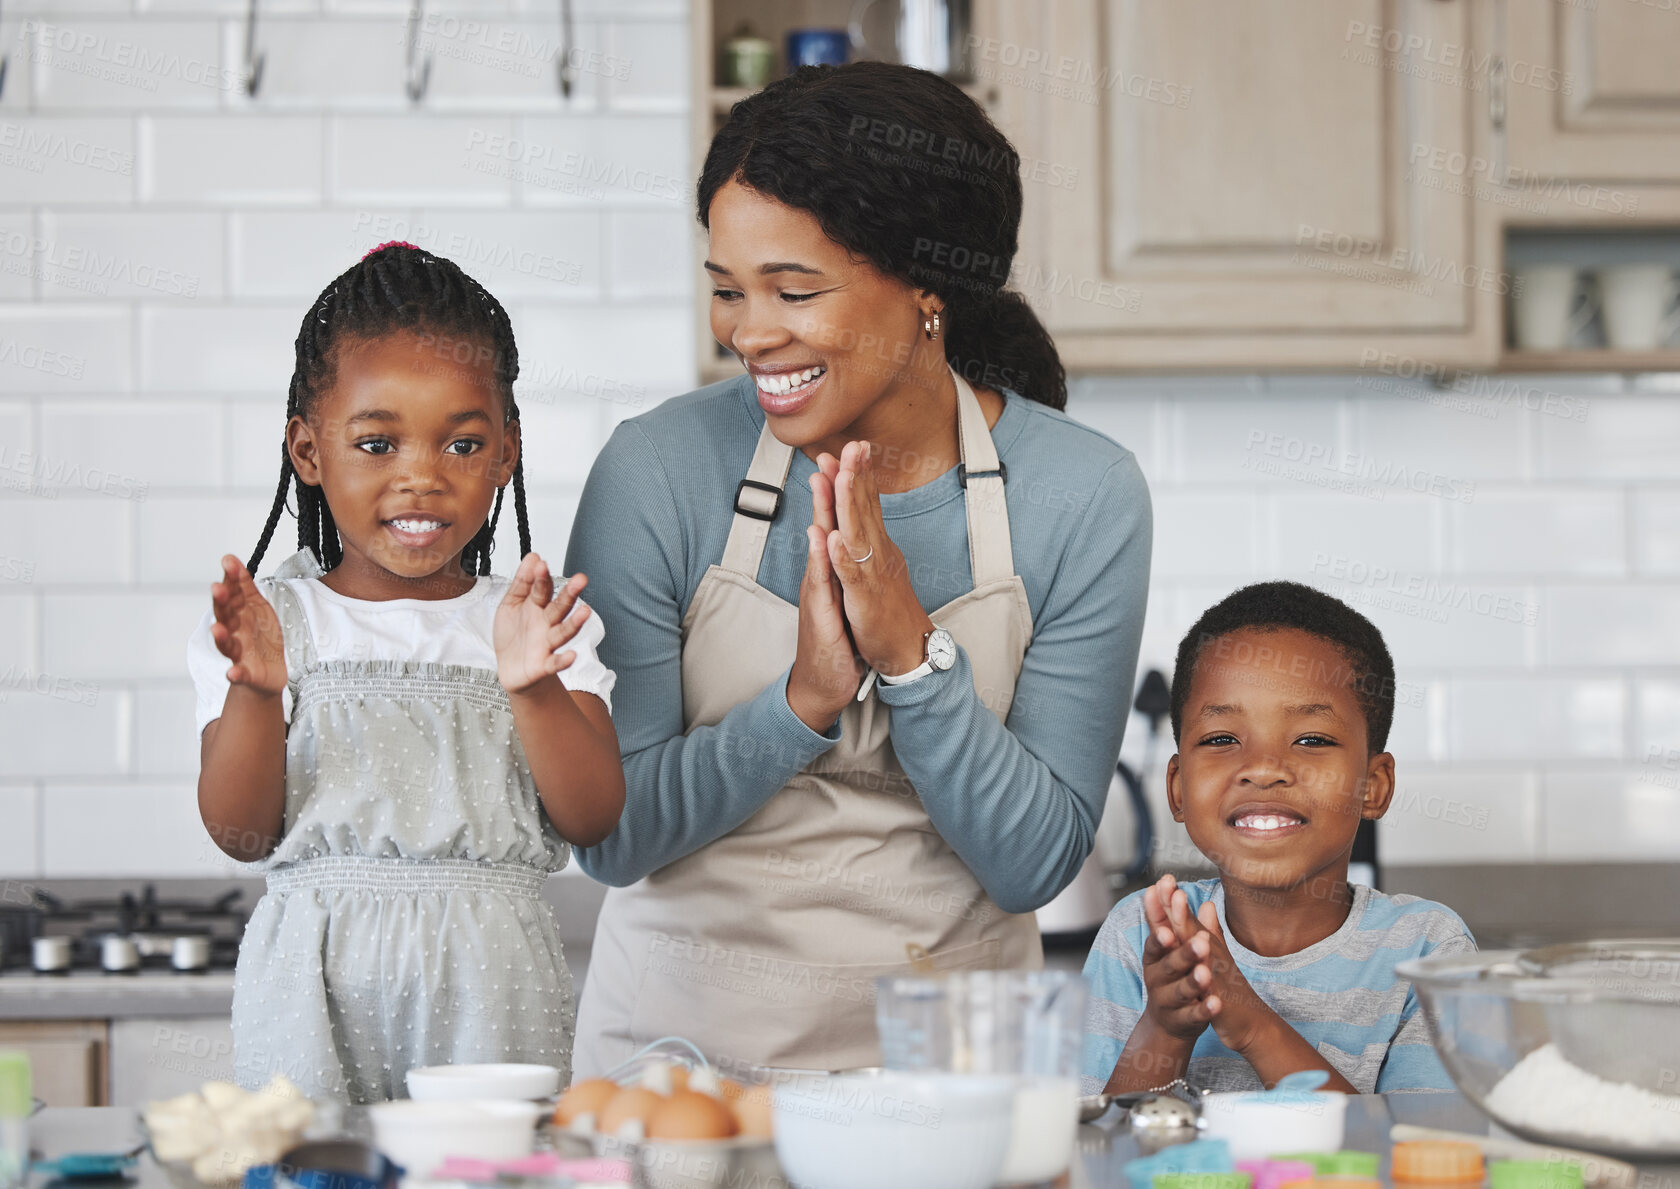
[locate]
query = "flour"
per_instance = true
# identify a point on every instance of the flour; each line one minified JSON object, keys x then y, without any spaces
{"x":1548,"y":1095}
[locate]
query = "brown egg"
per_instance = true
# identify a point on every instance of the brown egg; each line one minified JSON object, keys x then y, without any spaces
{"x":752,"y":1111}
{"x":729,"y":1091}
{"x":691,"y":1115}
{"x":633,"y":1102}
{"x":584,"y":1098}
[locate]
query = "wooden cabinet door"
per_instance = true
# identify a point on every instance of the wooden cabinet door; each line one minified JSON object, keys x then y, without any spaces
{"x":1592,"y":90}
{"x":66,"y":1058}
{"x":164,"y":1057}
{"x":1233,"y":184}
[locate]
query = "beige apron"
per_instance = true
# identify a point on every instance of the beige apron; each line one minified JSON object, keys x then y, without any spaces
{"x":763,"y":947}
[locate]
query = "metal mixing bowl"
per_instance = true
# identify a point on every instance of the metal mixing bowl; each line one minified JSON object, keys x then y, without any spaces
{"x":1610,"y":1012}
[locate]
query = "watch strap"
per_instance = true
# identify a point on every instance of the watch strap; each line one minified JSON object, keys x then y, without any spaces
{"x":921,"y":670}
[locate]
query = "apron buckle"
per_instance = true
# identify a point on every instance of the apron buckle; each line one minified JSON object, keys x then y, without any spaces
{"x":963,"y":473}
{"x":775,"y":506}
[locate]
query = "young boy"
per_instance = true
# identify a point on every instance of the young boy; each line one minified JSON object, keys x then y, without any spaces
{"x":1282,"y":698}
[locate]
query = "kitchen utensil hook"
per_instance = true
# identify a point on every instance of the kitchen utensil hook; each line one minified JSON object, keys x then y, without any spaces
{"x":253,"y":60}
{"x":418,"y":79}
{"x":5,"y":60}
{"x":564,"y":65}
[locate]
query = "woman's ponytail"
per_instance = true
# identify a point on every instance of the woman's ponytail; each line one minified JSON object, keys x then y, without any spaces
{"x":997,"y":341}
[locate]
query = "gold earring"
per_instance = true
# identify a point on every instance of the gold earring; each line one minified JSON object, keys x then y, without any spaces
{"x":930,"y":326}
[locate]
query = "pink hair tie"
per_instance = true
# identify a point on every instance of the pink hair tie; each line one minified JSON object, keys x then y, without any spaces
{"x":390,"y":243}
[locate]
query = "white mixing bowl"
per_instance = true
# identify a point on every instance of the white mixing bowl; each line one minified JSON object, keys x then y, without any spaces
{"x":421,"y":1135}
{"x":1257,"y":1125}
{"x":894,"y":1130}
{"x":436,"y":1082}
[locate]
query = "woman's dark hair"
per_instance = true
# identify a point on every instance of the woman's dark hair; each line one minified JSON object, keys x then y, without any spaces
{"x":1268,"y":606}
{"x":899,"y":166}
{"x":396,"y":287}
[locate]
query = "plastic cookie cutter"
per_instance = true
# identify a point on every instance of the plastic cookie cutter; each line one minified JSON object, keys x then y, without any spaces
{"x":1196,"y":1157}
{"x":1294,"y":1088}
{"x":1436,"y":1161}
{"x":1276,"y":1173}
{"x":1345,"y":1163}
{"x":1535,"y":1174}
{"x":1202,"y":1180}
{"x":89,"y":1166}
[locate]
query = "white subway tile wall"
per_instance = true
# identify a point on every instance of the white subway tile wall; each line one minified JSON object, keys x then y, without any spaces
{"x":162,"y":234}
{"x":1517,"y":543}
{"x":1613,"y":817}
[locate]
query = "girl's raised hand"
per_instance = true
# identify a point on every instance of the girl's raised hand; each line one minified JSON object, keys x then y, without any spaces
{"x":246,"y":630}
{"x":533,"y":622}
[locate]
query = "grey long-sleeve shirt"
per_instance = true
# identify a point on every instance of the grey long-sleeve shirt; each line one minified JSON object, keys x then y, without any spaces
{"x":1018,"y":801}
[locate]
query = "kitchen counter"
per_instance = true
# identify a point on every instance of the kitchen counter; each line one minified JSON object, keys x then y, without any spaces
{"x":90,"y":995}
{"x":1104,"y":1148}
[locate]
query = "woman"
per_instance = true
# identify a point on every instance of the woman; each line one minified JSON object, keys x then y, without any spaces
{"x":826,"y":781}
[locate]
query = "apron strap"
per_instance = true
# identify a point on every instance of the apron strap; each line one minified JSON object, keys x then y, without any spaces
{"x":296,"y":637}
{"x":758,"y":501}
{"x":982,"y":474}
{"x":758,"y":497}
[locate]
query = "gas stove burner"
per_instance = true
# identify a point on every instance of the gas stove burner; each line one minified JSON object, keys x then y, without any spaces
{"x":190,"y":955}
{"x":119,"y":955}
{"x":125,"y":933}
{"x":51,"y":955}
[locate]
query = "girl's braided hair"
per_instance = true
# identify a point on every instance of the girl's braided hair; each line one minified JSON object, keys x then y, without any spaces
{"x":395,"y":287}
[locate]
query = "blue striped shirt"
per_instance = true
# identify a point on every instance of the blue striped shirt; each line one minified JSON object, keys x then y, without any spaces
{"x":1341,"y":994}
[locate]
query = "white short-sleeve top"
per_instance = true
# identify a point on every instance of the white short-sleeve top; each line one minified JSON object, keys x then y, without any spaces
{"x":451,"y":631}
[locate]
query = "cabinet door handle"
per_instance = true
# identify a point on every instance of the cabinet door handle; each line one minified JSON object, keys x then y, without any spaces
{"x":1496,"y":92}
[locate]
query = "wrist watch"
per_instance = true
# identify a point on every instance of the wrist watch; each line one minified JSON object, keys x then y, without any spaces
{"x":939,"y":653}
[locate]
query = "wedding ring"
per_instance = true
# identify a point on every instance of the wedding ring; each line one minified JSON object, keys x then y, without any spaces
{"x":858,"y":561}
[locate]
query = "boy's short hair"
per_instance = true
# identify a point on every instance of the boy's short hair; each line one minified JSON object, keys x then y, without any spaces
{"x":1272,"y":605}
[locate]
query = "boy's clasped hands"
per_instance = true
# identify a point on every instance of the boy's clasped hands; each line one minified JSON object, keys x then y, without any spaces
{"x":1192,"y":982}
{"x":1191,"y":978}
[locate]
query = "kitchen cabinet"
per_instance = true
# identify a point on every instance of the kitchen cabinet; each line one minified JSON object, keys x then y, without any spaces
{"x":1591,"y":91}
{"x":1216,"y":184}
{"x":66,"y":1058}
{"x":1298,"y":184}
{"x":161,"y":1057}
{"x":1584,"y":108}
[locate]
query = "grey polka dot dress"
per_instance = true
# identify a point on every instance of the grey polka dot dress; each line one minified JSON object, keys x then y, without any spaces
{"x":402,"y":924}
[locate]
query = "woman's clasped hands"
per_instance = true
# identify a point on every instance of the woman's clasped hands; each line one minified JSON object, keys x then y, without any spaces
{"x":857,"y":607}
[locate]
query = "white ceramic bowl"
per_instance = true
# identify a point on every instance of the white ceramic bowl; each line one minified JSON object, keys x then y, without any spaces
{"x":1257,"y":1128}
{"x":422,"y":1135}
{"x":878,"y":1131}
{"x":432,"y":1083}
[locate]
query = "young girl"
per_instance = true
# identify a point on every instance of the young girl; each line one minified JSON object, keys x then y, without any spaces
{"x":407,"y":742}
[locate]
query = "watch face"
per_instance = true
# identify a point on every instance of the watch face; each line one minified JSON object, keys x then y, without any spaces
{"x":941,"y":649}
